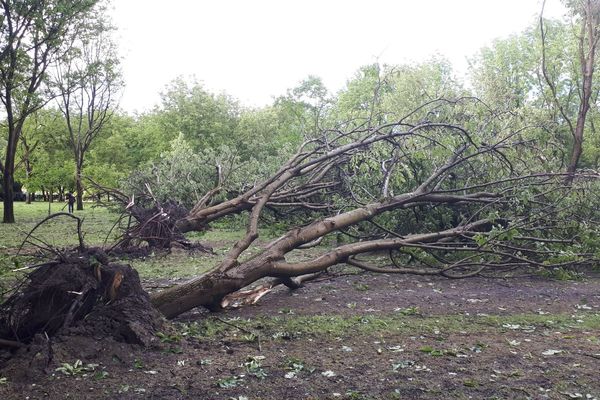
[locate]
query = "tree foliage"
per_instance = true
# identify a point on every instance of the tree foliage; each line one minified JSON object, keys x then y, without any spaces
{"x":33,"y":36}
{"x":87,"y":81}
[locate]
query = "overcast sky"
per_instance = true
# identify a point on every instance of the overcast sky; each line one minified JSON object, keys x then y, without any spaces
{"x":256,"y":49}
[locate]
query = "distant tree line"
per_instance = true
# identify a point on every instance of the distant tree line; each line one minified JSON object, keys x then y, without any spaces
{"x":59,"y":80}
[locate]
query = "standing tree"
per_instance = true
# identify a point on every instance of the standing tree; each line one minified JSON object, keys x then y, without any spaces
{"x":504,"y":73}
{"x":41,"y":155}
{"x":206,"y":120}
{"x":30,"y":140}
{"x":87,"y":82}
{"x":33,"y":35}
{"x":587,"y":14}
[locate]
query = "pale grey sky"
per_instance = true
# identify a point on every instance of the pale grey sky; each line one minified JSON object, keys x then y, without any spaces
{"x":256,"y":49}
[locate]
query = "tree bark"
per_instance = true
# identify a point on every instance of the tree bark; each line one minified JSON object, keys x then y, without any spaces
{"x":8,"y":183}
{"x":8,"y":202}
{"x":209,"y":289}
{"x":79,"y":188}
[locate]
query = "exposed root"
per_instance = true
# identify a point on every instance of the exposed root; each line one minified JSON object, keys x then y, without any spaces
{"x":85,"y":294}
{"x":146,"y":221}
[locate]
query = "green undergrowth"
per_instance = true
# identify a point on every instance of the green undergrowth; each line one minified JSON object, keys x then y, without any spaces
{"x":562,"y":274}
{"x":291,"y":326}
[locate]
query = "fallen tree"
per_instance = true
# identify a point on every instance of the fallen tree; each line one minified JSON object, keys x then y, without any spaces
{"x":468,"y":203}
{"x":145,"y":222}
{"x":504,"y":213}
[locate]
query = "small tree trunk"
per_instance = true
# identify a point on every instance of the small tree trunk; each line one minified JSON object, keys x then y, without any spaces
{"x":28,"y":175}
{"x":79,"y":188}
{"x":575,"y":156}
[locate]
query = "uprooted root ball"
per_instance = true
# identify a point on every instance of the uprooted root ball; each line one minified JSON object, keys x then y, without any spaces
{"x":82,"y":294}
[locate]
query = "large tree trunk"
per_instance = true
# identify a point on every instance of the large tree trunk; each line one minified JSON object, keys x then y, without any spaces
{"x":209,"y":289}
{"x":8,"y":202}
{"x":8,"y":189}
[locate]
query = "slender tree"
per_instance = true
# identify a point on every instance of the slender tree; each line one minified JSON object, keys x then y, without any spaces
{"x":587,"y":12}
{"x":88,"y":81}
{"x":33,"y":35}
{"x":30,"y":140}
{"x":38,"y":140}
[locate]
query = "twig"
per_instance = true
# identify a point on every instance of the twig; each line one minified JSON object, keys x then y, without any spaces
{"x":36,"y":266}
{"x":520,"y":389}
{"x":243,"y":330}
{"x":76,"y":303}
{"x":596,"y":356}
{"x":235,"y":326}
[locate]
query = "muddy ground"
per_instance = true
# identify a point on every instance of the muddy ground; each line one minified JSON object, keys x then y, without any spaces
{"x":354,"y":337}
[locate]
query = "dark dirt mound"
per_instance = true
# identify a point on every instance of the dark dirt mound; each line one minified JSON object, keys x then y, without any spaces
{"x":81,"y":294}
{"x":75,"y":308}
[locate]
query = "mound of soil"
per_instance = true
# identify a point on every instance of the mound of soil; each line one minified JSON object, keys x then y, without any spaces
{"x":81,"y":294}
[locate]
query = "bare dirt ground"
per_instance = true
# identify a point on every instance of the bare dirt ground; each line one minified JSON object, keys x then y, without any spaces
{"x":353,"y":337}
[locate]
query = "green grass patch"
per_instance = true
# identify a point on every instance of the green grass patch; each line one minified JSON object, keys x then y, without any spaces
{"x":59,"y":232}
{"x":174,"y":265}
{"x":343,"y":326}
{"x":217,"y":235}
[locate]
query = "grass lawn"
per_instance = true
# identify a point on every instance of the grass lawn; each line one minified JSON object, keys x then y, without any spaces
{"x":60,"y":232}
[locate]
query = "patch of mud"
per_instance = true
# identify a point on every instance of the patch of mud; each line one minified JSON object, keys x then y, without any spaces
{"x":382,"y":293}
{"x":420,"y":361}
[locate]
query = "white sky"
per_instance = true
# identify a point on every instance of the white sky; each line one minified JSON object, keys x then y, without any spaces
{"x":256,"y":49}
